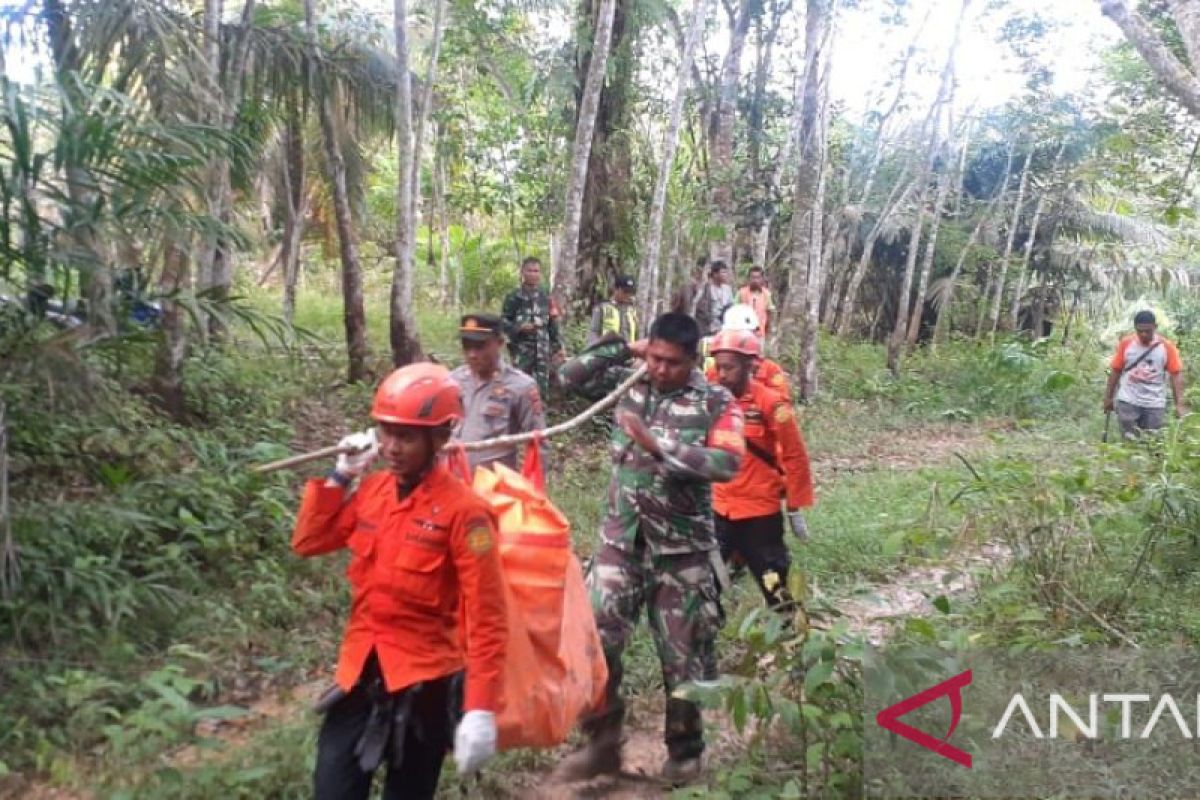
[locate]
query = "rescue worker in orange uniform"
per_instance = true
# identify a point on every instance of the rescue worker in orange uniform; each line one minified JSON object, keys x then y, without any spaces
{"x":742,"y":317}
{"x":421,"y":542}
{"x":749,"y":522}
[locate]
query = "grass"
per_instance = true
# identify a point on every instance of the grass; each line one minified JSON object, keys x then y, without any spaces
{"x":259,"y":613}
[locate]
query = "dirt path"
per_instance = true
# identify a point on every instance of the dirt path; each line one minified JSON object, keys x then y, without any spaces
{"x":908,"y":449}
{"x":871,"y":612}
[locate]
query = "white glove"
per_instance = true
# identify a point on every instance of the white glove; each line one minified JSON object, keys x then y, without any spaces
{"x":474,"y":741}
{"x":354,"y":464}
{"x":799,"y":526}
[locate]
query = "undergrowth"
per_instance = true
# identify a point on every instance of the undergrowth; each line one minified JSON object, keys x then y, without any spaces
{"x":158,"y":588}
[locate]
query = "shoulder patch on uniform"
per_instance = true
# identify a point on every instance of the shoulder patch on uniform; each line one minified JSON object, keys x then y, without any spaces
{"x":783,"y":413}
{"x":776,"y":379}
{"x":479,"y":536}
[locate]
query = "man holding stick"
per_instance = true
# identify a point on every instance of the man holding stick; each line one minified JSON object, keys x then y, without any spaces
{"x":1138,"y":377}
{"x":675,"y":436}
{"x":422,"y":551}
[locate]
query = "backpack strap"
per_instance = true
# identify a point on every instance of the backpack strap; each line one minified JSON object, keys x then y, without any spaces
{"x":763,"y":456}
{"x":1145,"y":354}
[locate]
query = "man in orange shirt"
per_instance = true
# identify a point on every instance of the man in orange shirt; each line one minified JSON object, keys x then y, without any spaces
{"x":1139,"y":368}
{"x":748,"y":519}
{"x":741,"y":317}
{"x":421,"y":542}
{"x":756,"y":295}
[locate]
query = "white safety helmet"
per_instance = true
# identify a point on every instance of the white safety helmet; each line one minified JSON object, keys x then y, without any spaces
{"x":739,"y":317}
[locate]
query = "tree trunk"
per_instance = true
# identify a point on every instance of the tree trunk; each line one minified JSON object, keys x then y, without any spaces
{"x":849,"y":303}
{"x":807,"y":221}
{"x":1187,"y":19}
{"x":944,"y":310}
{"x":912,"y":328}
{"x":435,"y":47}
{"x":296,"y":205}
{"x":567,"y":278}
{"x":1027,"y":254}
{"x":837,"y":268}
{"x":212,"y":62}
{"x":406,"y":346}
{"x":353,"y":313}
{"x":762,"y":239}
{"x":1181,"y":81}
{"x":900,"y":325}
{"x":722,"y":127}
{"x":229,"y":98}
{"x":95,"y":269}
{"x":607,"y":222}
{"x":662,"y":301}
{"x":172,"y":347}
{"x":650,"y":267}
{"x":809,"y":382}
{"x":998,"y":284}
{"x":945,"y":99}
{"x":914,"y":322}
{"x":443,"y":223}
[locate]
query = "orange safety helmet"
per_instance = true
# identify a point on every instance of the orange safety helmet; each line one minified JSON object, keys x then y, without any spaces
{"x":744,"y":342}
{"x":418,"y":394}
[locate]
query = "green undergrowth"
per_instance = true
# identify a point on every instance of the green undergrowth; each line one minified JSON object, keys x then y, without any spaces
{"x":1104,"y":548}
{"x":158,"y":589}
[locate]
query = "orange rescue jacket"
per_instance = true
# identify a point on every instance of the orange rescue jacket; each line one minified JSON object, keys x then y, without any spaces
{"x":756,"y":489}
{"x":412,"y":562}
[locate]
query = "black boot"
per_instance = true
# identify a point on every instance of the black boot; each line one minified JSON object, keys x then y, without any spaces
{"x":600,"y":756}
{"x":685,"y":742}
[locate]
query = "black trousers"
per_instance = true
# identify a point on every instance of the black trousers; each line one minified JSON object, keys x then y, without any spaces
{"x":428,"y":735}
{"x":758,"y":541}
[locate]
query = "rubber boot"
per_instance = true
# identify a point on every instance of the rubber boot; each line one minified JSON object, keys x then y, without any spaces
{"x":685,"y":742}
{"x":600,"y":756}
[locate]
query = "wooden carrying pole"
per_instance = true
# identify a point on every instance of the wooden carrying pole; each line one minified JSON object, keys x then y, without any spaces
{"x":485,"y":444}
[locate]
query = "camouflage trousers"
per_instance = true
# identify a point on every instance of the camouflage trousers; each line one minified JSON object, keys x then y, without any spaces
{"x":532,"y":356}
{"x":683,"y":608}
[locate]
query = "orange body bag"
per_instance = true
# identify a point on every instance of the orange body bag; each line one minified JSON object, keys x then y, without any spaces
{"x":554,"y":669}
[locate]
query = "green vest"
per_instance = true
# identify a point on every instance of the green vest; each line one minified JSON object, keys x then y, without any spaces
{"x":610,"y":320}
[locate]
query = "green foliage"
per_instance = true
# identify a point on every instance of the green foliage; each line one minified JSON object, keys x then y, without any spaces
{"x":1103,"y":549}
{"x":964,"y":381}
{"x":136,"y":534}
{"x":802,"y":688}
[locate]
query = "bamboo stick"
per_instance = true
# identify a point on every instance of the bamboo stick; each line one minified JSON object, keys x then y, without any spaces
{"x":485,"y":444}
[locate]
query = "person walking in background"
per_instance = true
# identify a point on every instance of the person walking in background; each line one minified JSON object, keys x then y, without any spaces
{"x":1138,"y":377}
{"x":684,"y":301}
{"x":769,"y":373}
{"x":715,"y":298}
{"x":531,"y":325}
{"x":749,"y":522}
{"x":498,"y":398}
{"x":617,"y":316}
{"x":756,"y":295}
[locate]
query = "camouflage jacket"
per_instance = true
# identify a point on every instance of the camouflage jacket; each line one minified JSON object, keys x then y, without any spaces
{"x":522,"y":306}
{"x":667,"y":502}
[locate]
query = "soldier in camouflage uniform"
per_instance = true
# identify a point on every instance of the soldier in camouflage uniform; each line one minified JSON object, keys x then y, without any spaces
{"x":675,"y":436}
{"x":531,"y":325}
